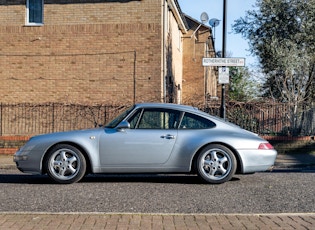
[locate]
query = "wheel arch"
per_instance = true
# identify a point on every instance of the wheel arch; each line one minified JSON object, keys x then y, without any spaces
{"x":76,"y":145}
{"x":239,"y":166}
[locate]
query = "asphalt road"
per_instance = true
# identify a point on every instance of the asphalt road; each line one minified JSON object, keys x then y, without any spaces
{"x":270,"y":192}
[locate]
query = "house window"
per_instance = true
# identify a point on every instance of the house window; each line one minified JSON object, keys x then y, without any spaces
{"x":34,"y":12}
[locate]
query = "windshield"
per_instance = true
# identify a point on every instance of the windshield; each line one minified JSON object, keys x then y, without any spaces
{"x":113,"y":123}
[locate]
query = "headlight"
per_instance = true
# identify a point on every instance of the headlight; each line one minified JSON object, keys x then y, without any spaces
{"x":22,"y":153}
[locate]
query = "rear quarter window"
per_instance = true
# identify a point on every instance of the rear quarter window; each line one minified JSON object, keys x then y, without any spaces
{"x":192,"y":121}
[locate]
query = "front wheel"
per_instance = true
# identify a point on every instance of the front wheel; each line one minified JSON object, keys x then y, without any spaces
{"x":65,"y":164}
{"x":216,"y":164}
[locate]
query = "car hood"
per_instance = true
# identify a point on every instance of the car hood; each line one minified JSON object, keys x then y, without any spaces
{"x":68,"y":135}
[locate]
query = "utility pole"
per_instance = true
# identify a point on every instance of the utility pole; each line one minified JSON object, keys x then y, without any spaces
{"x":222,"y":108}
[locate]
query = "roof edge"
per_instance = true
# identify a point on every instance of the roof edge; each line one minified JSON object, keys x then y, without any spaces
{"x":175,"y":8}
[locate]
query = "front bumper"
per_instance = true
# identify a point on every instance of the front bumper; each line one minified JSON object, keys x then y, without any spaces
{"x":26,"y":162}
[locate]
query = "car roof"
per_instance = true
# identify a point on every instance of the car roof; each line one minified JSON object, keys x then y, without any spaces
{"x":168,"y":106}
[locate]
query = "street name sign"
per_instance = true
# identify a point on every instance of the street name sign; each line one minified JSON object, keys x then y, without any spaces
{"x":223,"y":62}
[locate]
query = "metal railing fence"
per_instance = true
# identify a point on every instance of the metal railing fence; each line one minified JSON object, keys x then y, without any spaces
{"x":31,"y":119}
{"x":260,"y":117}
{"x":270,"y":118}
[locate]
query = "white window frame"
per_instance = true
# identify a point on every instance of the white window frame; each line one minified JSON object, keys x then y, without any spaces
{"x":27,"y":20}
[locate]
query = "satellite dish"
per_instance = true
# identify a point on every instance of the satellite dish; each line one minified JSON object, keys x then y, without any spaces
{"x":214,"y":22}
{"x":204,"y":17}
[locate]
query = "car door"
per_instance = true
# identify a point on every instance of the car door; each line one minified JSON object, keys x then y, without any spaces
{"x":149,"y":140}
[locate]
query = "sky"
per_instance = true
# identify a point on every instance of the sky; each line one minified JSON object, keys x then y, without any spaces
{"x":235,"y":44}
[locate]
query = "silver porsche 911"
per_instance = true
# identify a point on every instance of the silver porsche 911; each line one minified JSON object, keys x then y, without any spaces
{"x":149,"y":138}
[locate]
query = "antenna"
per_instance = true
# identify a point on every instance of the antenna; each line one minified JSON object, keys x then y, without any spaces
{"x":204,"y":17}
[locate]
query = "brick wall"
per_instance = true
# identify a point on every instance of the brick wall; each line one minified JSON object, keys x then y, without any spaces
{"x":10,"y":144}
{"x":91,"y":52}
{"x":197,"y":80}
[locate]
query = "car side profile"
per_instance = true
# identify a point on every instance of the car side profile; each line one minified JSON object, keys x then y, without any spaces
{"x":149,"y":138}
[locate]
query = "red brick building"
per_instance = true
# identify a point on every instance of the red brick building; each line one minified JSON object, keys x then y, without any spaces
{"x":102,"y":51}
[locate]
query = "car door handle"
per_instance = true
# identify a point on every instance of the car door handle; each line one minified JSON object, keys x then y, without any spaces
{"x":168,"y":136}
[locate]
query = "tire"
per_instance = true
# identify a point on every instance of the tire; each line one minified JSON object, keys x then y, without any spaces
{"x":65,"y":164}
{"x":216,"y":164}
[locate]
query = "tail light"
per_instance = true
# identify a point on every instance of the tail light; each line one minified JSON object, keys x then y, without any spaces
{"x":265,"y":146}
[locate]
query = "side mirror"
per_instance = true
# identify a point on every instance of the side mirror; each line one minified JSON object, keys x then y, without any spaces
{"x":123,"y":125}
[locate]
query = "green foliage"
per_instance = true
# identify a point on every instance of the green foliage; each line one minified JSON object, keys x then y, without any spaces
{"x":243,"y":87}
{"x":281,"y":34}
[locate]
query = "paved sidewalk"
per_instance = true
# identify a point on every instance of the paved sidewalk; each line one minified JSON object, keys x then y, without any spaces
{"x":298,"y":160}
{"x":6,"y":162}
{"x":155,"y":221}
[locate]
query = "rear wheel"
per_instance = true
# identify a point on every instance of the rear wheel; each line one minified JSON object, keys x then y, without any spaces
{"x":216,"y":164}
{"x":65,"y":164}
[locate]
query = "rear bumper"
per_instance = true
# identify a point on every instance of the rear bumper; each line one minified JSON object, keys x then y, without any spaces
{"x":257,"y":160}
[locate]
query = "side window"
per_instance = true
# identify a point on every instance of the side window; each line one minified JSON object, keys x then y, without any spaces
{"x":34,"y":12}
{"x":155,"y":119}
{"x":192,"y":121}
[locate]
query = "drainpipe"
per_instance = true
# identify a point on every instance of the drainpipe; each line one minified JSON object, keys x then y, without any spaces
{"x":163,"y":50}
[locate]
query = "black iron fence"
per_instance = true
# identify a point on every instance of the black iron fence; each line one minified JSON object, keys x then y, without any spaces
{"x":32,"y":119}
{"x":262,"y":118}
{"x":270,"y":118}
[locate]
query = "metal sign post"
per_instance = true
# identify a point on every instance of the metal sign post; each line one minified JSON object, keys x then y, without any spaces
{"x":223,"y":62}
{"x":222,"y":108}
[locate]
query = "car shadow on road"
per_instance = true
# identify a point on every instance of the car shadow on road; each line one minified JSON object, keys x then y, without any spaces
{"x":150,"y":178}
{"x":24,"y":179}
{"x":108,"y":178}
